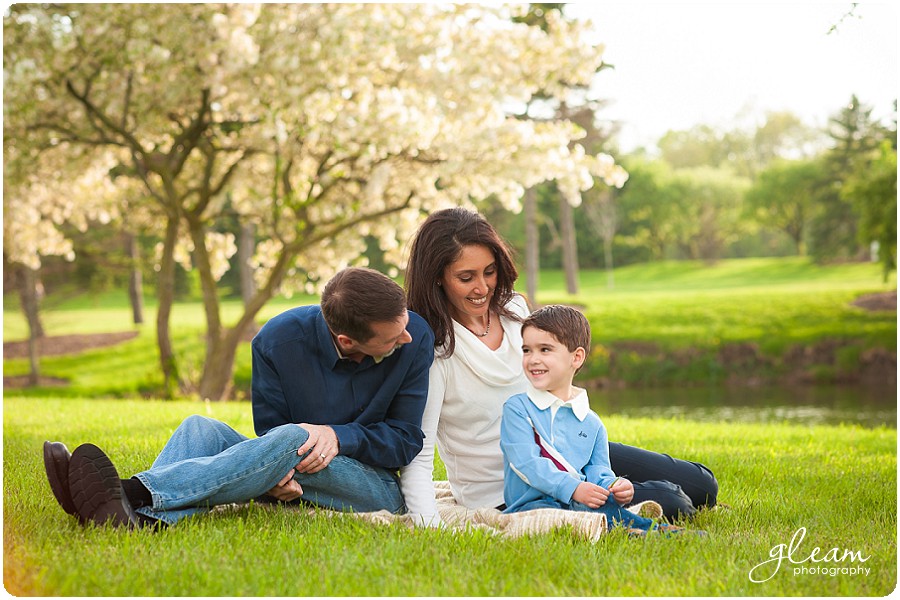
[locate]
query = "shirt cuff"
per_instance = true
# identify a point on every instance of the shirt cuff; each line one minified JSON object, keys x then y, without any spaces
{"x":567,"y":488}
{"x":348,"y":443}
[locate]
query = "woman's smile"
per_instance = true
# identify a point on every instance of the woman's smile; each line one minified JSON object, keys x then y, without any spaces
{"x":469,"y":283}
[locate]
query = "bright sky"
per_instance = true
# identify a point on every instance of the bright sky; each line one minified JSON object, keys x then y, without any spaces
{"x":678,"y":65}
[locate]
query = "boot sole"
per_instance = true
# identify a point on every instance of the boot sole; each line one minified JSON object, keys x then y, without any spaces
{"x":56,"y":464}
{"x":96,"y":488}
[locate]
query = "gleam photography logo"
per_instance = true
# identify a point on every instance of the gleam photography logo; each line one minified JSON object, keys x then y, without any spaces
{"x":832,"y":563}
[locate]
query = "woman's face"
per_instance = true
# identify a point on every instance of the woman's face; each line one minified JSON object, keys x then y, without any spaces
{"x":469,"y":282}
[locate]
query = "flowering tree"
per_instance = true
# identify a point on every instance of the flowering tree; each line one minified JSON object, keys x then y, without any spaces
{"x":323,"y":123}
{"x":35,"y":205}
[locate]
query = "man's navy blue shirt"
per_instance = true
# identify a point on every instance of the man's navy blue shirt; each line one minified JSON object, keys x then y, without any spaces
{"x":374,"y":408}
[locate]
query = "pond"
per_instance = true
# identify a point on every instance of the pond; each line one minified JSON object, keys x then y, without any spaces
{"x":870,"y":406}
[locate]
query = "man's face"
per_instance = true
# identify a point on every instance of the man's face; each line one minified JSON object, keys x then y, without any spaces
{"x":388,"y":336}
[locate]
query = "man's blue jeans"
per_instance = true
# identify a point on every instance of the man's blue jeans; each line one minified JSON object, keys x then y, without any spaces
{"x":206,"y":463}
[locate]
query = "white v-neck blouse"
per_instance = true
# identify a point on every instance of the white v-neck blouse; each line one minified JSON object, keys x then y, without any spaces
{"x":466,"y":393}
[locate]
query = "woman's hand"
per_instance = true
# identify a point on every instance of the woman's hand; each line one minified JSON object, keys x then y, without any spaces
{"x":590,"y":494}
{"x":622,"y":490}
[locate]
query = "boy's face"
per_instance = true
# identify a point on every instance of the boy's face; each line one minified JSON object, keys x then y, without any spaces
{"x":548,"y":364}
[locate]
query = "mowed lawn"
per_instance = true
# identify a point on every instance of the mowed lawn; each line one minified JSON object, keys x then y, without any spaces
{"x":773,"y":304}
{"x":835,"y":484}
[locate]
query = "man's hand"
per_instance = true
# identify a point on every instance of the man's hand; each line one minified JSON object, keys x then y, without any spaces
{"x":322,"y":446}
{"x":590,"y":494}
{"x":287,"y":489}
{"x":622,"y":490}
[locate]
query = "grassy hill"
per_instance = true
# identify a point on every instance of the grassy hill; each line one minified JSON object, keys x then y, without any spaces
{"x":742,"y":321}
{"x":669,"y":323}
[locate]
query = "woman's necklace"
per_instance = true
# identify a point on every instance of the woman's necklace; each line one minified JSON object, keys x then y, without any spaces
{"x":487,"y":329}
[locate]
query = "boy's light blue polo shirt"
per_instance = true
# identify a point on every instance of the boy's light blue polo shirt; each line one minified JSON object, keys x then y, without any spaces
{"x":572,"y":434}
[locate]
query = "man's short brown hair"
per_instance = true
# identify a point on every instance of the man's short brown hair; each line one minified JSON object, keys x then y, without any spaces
{"x":568,"y":325}
{"x":357,"y":297}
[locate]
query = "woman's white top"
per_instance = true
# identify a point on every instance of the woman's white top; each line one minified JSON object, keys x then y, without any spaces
{"x":466,"y":393}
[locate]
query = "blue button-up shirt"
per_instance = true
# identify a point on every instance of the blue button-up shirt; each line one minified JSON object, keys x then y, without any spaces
{"x":374,"y":408}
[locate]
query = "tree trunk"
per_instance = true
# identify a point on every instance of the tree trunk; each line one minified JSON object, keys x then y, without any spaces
{"x":569,"y":244}
{"x":30,"y":293}
{"x":166,"y":297}
{"x":608,"y":230}
{"x":246,"y":247}
{"x":608,"y":263}
{"x":221,"y":345}
{"x":602,"y":217}
{"x":532,"y":241}
{"x":135,"y":278}
{"x":216,"y":381}
{"x":203,"y":264}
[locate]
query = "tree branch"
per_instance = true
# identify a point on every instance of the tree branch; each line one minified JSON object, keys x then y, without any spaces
{"x":217,"y":189}
{"x":72,"y":136}
{"x":187,"y":140}
{"x":93,"y":110}
{"x":127,"y":103}
{"x":331,"y":232}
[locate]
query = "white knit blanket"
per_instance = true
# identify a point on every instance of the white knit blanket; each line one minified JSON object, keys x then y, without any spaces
{"x":584,"y":525}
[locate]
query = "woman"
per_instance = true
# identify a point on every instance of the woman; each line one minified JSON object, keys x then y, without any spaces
{"x":460,"y":279}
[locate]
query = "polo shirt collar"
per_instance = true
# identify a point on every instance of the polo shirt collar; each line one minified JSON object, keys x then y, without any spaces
{"x":543,"y":400}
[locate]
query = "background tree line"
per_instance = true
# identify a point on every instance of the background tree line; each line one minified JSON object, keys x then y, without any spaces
{"x":781,"y":188}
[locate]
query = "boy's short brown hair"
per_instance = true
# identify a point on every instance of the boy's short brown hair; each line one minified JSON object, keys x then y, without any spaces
{"x":566,"y":324}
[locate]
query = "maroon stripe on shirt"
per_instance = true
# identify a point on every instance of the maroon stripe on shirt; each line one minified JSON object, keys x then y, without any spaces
{"x":545,"y":454}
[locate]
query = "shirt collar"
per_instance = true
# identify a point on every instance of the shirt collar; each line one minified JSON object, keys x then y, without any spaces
{"x":325,"y":333}
{"x":543,"y":400}
{"x":337,"y":349}
{"x":326,"y":341}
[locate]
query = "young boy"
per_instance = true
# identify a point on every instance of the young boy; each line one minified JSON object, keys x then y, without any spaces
{"x":555,"y":448}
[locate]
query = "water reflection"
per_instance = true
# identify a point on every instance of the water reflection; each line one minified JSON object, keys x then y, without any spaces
{"x":813,"y":405}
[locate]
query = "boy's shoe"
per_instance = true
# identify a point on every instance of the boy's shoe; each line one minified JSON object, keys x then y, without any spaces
{"x":56,"y":464}
{"x":635,"y":532}
{"x":666,"y":529}
{"x":97,"y":490}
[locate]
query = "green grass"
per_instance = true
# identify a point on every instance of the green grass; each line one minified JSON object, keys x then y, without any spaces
{"x":668,"y":322}
{"x":109,"y":311}
{"x":131,"y":368}
{"x":679,"y":314}
{"x":677,"y":304}
{"x":839,"y":482}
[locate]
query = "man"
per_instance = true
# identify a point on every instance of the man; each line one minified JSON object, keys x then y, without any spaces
{"x":342,"y":386}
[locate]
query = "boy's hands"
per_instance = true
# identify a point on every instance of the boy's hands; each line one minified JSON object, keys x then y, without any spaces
{"x":622,"y":490}
{"x":590,"y":494}
{"x":594,"y":496}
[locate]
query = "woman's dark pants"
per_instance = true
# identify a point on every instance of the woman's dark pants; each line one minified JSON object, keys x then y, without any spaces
{"x":679,"y":486}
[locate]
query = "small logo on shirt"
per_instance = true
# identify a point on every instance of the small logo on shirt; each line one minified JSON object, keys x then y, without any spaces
{"x":582,"y":434}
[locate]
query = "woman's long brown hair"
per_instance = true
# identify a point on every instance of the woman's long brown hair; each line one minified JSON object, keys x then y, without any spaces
{"x":438,"y":243}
